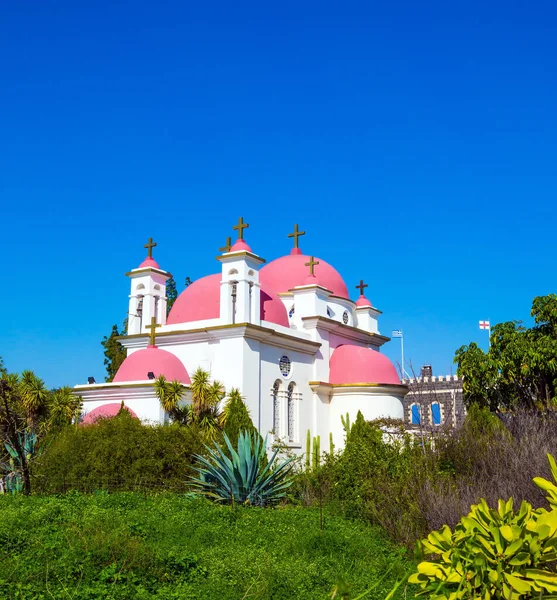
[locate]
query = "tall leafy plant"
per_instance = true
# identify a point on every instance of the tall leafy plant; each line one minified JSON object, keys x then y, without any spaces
{"x":242,"y":478}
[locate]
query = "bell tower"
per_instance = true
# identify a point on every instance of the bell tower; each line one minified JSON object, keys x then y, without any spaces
{"x":148,"y":293}
{"x":240,"y":290}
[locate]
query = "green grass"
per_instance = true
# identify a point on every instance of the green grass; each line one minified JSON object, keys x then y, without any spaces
{"x":169,"y":546}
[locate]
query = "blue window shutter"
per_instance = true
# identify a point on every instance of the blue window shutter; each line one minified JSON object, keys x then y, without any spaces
{"x":436,"y":413}
{"x":416,"y":418}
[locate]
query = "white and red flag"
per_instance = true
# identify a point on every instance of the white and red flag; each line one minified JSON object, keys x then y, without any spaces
{"x":484,"y":324}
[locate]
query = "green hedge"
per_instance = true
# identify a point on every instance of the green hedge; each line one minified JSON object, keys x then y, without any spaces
{"x":117,"y":454}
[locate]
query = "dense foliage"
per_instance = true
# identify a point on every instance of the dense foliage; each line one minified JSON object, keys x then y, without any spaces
{"x":520,"y":368}
{"x":494,"y":553}
{"x":412,"y":485}
{"x":130,"y":547}
{"x":117,"y":454}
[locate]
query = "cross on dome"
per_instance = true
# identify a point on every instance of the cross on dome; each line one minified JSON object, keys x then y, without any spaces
{"x":152,"y":330}
{"x":150,"y":245}
{"x":227,"y":246}
{"x":296,"y":234}
{"x":362,"y":287}
{"x":311,"y":264}
{"x":240,"y":228}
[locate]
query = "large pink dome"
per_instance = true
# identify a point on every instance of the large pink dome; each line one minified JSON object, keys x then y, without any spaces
{"x":106,"y":411}
{"x":137,"y":366}
{"x":356,"y":364}
{"x":290,"y":271}
{"x":201,"y":300}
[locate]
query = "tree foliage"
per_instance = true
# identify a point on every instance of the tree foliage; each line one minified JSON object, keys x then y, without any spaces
{"x":114,"y":352}
{"x":520,"y":368}
{"x":236,"y":417}
{"x":204,"y":409}
{"x":171,"y":294}
{"x":28,"y":410}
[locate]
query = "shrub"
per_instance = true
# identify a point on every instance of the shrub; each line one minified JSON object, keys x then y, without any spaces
{"x":118,"y":454}
{"x":236,"y":417}
{"x":489,"y":457}
{"x":494,"y":553}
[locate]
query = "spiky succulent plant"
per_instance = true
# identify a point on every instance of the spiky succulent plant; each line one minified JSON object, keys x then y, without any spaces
{"x":242,"y":478}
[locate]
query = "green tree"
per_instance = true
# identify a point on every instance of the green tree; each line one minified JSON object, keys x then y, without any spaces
{"x":520,"y":368}
{"x":171,"y":294}
{"x":114,"y":352}
{"x":28,"y":411}
{"x":236,"y":417}
{"x":203,"y":411}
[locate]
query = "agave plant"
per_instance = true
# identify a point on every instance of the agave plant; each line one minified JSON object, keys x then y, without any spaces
{"x":12,"y":469}
{"x":242,"y":478}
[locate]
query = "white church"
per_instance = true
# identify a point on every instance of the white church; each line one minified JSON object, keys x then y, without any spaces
{"x":285,"y":333}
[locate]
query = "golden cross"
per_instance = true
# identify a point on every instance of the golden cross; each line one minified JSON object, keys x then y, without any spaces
{"x":150,"y":245}
{"x":227,"y":247}
{"x":311,"y":264}
{"x":362,"y":287}
{"x":296,"y":234}
{"x":240,"y":227}
{"x":152,"y":327}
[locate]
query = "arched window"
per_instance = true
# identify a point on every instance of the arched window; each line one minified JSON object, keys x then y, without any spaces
{"x":291,"y":413}
{"x":436,"y":413}
{"x":291,"y":312}
{"x":233,"y":298}
{"x":330,"y":313}
{"x":415,"y":414}
{"x":276,"y":408}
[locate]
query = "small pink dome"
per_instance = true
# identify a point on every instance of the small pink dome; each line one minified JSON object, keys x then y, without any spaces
{"x":160,"y":362}
{"x":290,"y":271}
{"x":201,"y":300}
{"x":239,"y":246}
{"x":149,"y":262}
{"x":363,"y":301}
{"x":356,"y":364}
{"x":106,"y":411}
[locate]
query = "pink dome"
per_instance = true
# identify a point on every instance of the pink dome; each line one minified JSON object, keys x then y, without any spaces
{"x":160,"y":362}
{"x":239,"y":246}
{"x":363,"y":301}
{"x":106,"y":411}
{"x":149,"y":262}
{"x":290,"y":271}
{"x":201,"y":300}
{"x":356,"y":364}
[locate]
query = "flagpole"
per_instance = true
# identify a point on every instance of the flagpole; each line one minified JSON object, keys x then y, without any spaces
{"x":402,"y":352}
{"x":489,"y":335}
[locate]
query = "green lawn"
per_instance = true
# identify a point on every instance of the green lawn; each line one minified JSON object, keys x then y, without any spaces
{"x":131,"y":546}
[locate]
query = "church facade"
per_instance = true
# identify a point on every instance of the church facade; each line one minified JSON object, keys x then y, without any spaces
{"x":286,"y":333}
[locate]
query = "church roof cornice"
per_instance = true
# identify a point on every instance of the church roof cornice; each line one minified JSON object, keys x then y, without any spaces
{"x":216,"y":332}
{"x":144,"y":271}
{"x":346,"y":331}
{"x":229,"y":256}
{"x":358,"y":388}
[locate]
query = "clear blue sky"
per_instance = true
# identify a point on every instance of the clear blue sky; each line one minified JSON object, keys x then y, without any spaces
{"x":416,"y":143}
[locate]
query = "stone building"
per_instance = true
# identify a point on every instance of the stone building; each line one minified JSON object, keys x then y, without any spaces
{"x":433,"y":400}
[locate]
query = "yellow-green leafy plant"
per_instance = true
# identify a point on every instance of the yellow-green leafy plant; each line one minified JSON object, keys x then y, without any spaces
{"x":494,"y":553}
